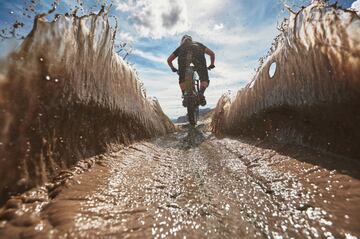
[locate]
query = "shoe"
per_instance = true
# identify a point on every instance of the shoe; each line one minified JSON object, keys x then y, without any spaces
{"x":202,"y":100}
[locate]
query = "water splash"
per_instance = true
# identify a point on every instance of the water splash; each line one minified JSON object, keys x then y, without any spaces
{"x":66,"y":81}
{"x":313,"y":97}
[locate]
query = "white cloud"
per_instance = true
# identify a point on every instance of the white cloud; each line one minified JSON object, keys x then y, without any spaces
{"x":201,"y":11}
{"x":126,"y":37}
{"x":356,"y":6}
{"x":155,"y":19}
{"x":237,"y":46}
{"x":238,"y":36}
{"x":163,"y":85}
{"x":229,"y":74}
{"x":150,"y":56}
{"x":218,"y":26}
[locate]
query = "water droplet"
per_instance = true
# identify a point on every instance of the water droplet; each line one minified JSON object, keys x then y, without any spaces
{"x":11,"y":12}
{"x":47,"y":77}
{"x":56,"y":80}
{"x":41,"y":59}
{"x":349,"y":236}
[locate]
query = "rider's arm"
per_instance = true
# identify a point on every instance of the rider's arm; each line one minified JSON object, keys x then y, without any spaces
{"x":211,"y":54}
{"x":170,"y":60}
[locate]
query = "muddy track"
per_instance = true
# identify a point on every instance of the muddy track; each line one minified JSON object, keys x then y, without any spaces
{"x":193,"y":185}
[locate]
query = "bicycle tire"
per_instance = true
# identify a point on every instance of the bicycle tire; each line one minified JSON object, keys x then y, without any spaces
{"x":191,"y":114}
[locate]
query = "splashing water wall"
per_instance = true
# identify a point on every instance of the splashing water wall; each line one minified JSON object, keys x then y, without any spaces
{"x":65,"y":95}
{"x":313,"y":97}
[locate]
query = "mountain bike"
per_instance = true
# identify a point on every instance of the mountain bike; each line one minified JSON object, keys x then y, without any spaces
{"x":191,"y":96}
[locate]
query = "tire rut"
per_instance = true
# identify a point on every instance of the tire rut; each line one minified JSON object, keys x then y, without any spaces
{"x":192,"y":185}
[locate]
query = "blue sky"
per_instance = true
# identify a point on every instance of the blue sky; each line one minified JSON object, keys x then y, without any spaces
{"x":238,"y":31}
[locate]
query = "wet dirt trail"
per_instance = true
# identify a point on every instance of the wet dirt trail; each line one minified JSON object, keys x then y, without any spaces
{"x":193,"y":185}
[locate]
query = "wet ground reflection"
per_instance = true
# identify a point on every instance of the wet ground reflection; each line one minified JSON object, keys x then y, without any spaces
{"x":192,"y":185}
{"x":191,"y":137}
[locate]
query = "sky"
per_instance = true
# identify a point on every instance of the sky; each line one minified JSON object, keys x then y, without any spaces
{"x":238,"y":31}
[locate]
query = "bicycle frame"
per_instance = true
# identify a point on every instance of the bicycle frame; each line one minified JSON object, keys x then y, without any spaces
{"x":191,"y":95}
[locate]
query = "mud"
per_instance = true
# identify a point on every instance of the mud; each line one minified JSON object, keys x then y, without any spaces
{"x":313,"y":97}
{"x":191,"y":184}
{"x":66,"y":95}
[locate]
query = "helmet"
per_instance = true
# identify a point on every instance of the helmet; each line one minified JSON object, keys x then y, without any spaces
{"x":186,"y":38}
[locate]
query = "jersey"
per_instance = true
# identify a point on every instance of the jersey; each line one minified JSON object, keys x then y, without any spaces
{"x":191,"y":53}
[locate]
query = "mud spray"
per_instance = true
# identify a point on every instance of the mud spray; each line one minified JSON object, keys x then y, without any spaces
{"x":64,"y":96}
{"x":312,"y":95}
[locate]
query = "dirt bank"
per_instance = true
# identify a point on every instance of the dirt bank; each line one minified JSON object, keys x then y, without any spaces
{"x":313,"y":96}
{"x":64,"y":96}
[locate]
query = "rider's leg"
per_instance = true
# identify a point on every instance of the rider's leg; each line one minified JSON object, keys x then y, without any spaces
{"x":203,"y":86}
{"x":182,"y":80}
{"x":182,"y":87}
{"x":204,"y":79}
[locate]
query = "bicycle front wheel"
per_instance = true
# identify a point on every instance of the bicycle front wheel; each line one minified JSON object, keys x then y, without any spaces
{"x":193,"y":114}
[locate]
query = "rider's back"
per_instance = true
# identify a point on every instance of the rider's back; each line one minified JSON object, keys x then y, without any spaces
{"x":193,"y":52}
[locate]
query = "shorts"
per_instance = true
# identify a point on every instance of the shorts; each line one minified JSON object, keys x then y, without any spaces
{"x":201,"y":71}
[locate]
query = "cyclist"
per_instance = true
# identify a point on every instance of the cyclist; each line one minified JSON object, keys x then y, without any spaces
{"x":189,"y":52}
